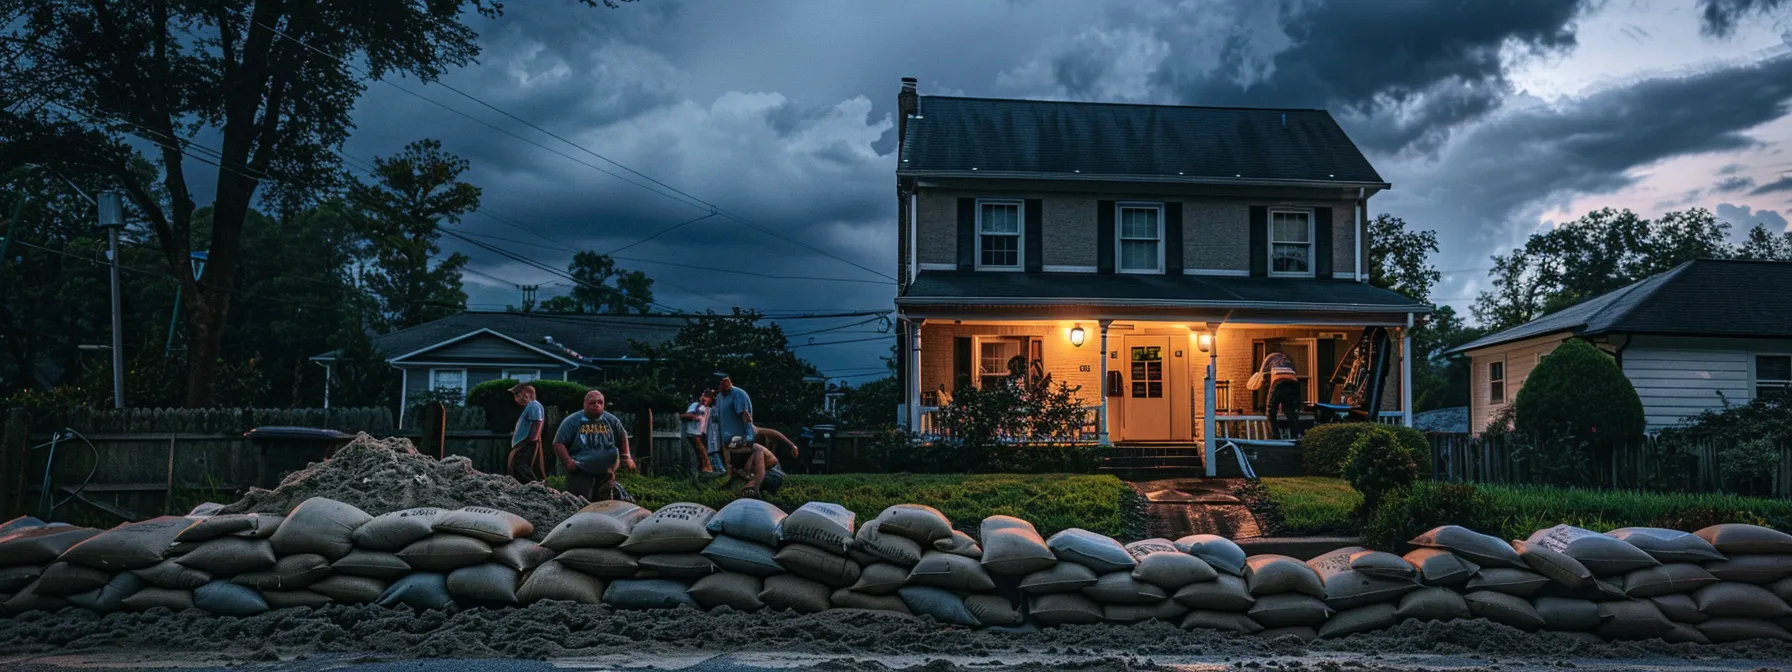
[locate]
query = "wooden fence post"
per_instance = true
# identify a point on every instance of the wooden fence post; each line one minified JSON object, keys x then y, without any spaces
{"x":433,"y":423}
{"x":641,"y":443}
{"x":13,"y":458}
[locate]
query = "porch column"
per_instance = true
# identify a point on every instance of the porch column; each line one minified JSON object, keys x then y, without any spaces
{"x":1208,"y":407}
{"x":1101,"y":416}
{"x":914,"y":375}
{"x":1406,"y":372}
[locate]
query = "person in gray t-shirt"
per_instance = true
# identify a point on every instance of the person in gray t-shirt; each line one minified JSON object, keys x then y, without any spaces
{"x":525,"y":462}
{"x":591,"y":445}
{"x":731,"y":416}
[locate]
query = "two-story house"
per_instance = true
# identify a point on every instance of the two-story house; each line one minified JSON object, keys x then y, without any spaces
{"x":1141,"y":246}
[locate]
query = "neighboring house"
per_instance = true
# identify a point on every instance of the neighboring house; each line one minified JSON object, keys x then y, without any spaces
{"x":1707,"y":333}
{"x":466,"y":349}
{"x":1135,"y":244}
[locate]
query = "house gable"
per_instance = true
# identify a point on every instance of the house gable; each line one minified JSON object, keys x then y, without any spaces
{"x":483,"y":347}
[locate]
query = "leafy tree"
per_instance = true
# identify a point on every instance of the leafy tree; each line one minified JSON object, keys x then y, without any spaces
{"x":754,"y":352}
{"x":1765,"y":246}
{"x":1400,"y":260}
{"x":360,"y":376}
{"x":1439,"y":381}
{"x":1578,"y":393}
{"x":87,"y":82}
{"x":604,"y":289}
{"x":402,"y":213}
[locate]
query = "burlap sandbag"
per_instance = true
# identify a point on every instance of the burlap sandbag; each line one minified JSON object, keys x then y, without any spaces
{"x":753,"y":520}
{"x":1565,"y":614}
{"x":128,"y":546}
{"x":919,"y":522}
{"x":817,"y":564}
{"x":674,"y":528}
{"x":319,"y":525}
{"x":1095,"y":551}
{"x":1013,"y":547}
{"x":1167,"y":611}
{"x":1668,"y":579}
{"x":1228,"y":621}
{"x":789,"y":591}
{"x":1631,"y":619}
{"x":1731,"y":600}
{"x":880,"y":578}
{"x":819,"y":524}
{"x":1757,"y":569}
{"x":1064,"y":609}
{"x":1679,"y":608}
{"x":224,"y":598}
{"x":1553,"y":564}
{"x":1433,"y":604}
{"x":598,"y":525}
{"x":941,"y":605}
{"x":554,"y":581}
{"x":1383,"y":565}
{"x":890,"y":548}
{"x":1272,"y":574}
{"x":1739,"y":539}
{"x":993,"y":610}
{"x":396,"y":530}
{"x":1440,"y":567}
{"x":1603,"y":555}
{"x":1515,"y":582}
{"x":1145,"y":547}
{"x":229,"y":556}
{"x":445,"y":553}
{"x":485,"y":524}
{"x":40,"y":545}
{"x":173,"y":576}
{"x":677,"y":565}
{"x":18,"y":524}
{"x":1226,"y":593}
{"x":740,"y":556}
{"x":1064,"y":577}
{"x":1359,"y":620}
{"x":1481,"y":549}
{"x":1121,"y":588}
{"x":1348,"y":588}
{"x":847,"y":598}
{"x":960,"y":544}
{"x":1283,"y":610}
{"x":1722,"y":630}
{"x":64,"y":579}
{"x":1171,"y":571}
{"x":14,"y":578}
{"x":485,"y":584}
{"x":739,"y":592}
{"x":110,"y":597}
{"x":290,"y":599}
{"x":346,"y":589}
{"x":522,"y":555}
{"x":250,"y":525}
{"x":648,"y":594}
{"x":1301,"y":632}
{"x":1782,"y":588}
{"x":1504,"y":609}
{"x":372,"y":564}
{"x":951,"y":572}
{"x":864,"y":558}
{"x":604,"y":563}
{"x":1221,"y":553}
{"x":292,"y":572}
{"x":153,"y":597}
{"x":422,"y":590}
{"x":1667,"y":545}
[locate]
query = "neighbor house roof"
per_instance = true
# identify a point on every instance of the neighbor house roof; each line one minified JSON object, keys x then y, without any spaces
{"x":988,"y":137}
{"x":966,"y":288}
{"x":1704,"y":297}
{"x":592,"y":337}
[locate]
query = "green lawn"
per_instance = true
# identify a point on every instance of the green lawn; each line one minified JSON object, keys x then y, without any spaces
{"x":1052,"y":502}
{"x":1313,"y":505}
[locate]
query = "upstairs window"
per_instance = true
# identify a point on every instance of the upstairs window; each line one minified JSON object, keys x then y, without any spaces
{"x":1496,"y":382}
{"x":998,"y":235}
{"x":1141,"y":232}
{"x":1291,"y":242}
{"x":1773,"y":374}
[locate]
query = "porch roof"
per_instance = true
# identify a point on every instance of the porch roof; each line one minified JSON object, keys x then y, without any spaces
{"x":1135,"y":291}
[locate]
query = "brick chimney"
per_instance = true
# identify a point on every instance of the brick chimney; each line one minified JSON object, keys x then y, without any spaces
{"x":908,"y":102}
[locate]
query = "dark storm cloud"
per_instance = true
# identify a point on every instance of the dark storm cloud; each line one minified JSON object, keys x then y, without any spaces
{"x":1719,"y":18}
{"x":1742,"y":218}
{"x":1733,"y":183}
{"x":1782,"y":184}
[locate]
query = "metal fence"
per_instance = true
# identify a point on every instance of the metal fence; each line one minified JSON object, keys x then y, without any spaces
{"x":1650,"y":463}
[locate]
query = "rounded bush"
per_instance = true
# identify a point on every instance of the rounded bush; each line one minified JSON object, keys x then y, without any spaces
{"x":1407,"y":513}
{"x":1578,"y":392}
{"x":1379,"y":464}
{"x":1325,"y":448}
{"x":500,"y":407}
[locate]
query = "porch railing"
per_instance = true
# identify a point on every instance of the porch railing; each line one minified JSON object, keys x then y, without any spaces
{"x":932,"y":429}
{"x":1256,"y":427}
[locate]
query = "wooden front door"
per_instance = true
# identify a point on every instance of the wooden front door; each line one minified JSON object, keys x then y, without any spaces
{"x":1146,"y":362}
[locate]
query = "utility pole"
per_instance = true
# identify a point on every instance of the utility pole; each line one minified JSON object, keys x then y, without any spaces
{"x":111,"y":207}
{"x":528,"y":297}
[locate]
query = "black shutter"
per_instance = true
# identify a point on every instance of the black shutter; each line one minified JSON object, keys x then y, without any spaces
{"x":1326,"y":353}
{"x":961,"y":363}
{"x":1173,"y":238}
{"x":967,"y":234}
{"x":1322,"y":243}
{"x":1259,"y":241}
{"x":1035,"y":235}
{"x":1104,"y":236}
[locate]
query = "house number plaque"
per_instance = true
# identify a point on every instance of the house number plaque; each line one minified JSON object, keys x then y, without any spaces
{"x":1082,"y":368}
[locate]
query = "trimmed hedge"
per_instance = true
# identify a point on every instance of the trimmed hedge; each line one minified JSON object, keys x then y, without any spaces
{"x":1379,"y":464}
{"x":500,"y":407}
{"x":1578,"y":393}
{"x":1325,"y":448}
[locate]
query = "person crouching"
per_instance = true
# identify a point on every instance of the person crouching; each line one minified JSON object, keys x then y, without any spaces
{"x":756,"y":465}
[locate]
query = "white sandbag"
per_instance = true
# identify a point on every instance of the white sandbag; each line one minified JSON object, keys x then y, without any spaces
{"x":1667,"y":545}
{"x":396,"y":530}
{"x":753,"y":520}
{"x":818,"y":564}
{"x":128,"y":546}
{"x":960,"y":544}
{"x":1167,"y":611}
{"x":1440,"y":567}
{"x":1556,"y":565}
{"x":485,"y":524}
{"x":110,"y":597}
{"x":739,"y":592}
{"x":677,"y":565}
{"x":1668,"y":579}
{"x":1226,"y":593}
{"x":1359,"y":620}
{"x":485,"y":584}
{"x":1347,"y":588}
{"x":422,"y":590}
{"x":1604,"y":555}
{"x":64,"y":579}
{"x":14,"y":578}
{"x":847,"y":598}
{"x":604,"y":563}
{"x":229,"y":556}
{"x":1383,"y":565}
{"x":1272,"y":574}
{"x":1221,"y":553}
{"x":880,"y":578}
{"x":1064,"y":609}
{"x":1519,"y":583}
{"x":1679,"y":608}
{"x":164,"y":598}
{"x":1283,"y":610}
{"x":1723,"y":630}
{"x":1095,"y":551}
{"x":1481,"y":549}
{"x":740,"y":556}
{"x":372,"y":564}
{"x":648,"y":594}
{"x":924,"y":524}
{"x":319,"y":525}
{"x":1567,"y":614}
{"x":1432,"y":604}
{"x":1013,"y":547}
{"x":674,"y":528}
{"x":346,"y":589}
{"x":251,"y":525}
{"x":1736,"y":600}
{"x":171,"y":575}
{"x":289,"y":599}
{"x":1121,"y":588}
{"x":819,"y":524}
{"x":1064,"y":577}
{"x":521,"y":555}
{"x":1227,"y":621}
{"x":1757,"y":569}
{"x":293,"y":572}
{"x":1504,"y":609}
{"x":554,"y":581}
{"x":789,"y":591}
{"x":951,"y":572}
{"x":890,"y":548}
{"x":1739,"y":539}
{"x":445,"y":553}
{"x":993,"y":610}
{"x":598,"y":525}
{"x":224,"y":598}
{"x":1171,"y":571}
{"x":1631,"y":619}
{"x":1144,"y":547}
{"x":941,"y":605}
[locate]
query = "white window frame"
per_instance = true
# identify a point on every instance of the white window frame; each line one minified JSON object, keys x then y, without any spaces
{"x":1754,"y":371}
{"x":463,"y":380}
{"x":534,"y":375}
{"x":1120,"y":236}
{"x":1312,"y":245}
{"x":1020,"y":238}
{"x":1503,"y":380}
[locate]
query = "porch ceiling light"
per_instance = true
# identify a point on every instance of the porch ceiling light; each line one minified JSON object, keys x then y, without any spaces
{"x":1205,"y":341}
{"x":1077,"y":335}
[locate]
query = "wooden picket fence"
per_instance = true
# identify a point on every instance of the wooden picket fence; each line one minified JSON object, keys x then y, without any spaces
{"x":1643,"y":464}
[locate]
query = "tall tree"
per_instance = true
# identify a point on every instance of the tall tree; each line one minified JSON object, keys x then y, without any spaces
{"x":753,"y":351}
{"x":275,"y":79}
{"x":603,"y":289}
{"x":414,"y":193}
{"x":1763,"y":245}
{"x":1400,"y":260}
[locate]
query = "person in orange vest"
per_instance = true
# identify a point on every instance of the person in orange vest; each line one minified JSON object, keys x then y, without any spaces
{"x":1284,"y":393}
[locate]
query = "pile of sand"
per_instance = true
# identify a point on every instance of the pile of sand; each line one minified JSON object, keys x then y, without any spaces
{"x":381,"y":476}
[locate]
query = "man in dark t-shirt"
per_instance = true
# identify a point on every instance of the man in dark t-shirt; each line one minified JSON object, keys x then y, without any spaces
{"x":591,"y":445}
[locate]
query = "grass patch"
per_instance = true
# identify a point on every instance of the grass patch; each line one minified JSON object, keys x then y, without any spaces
{"x":1052,"y":502}
{"x":1313,"y":505}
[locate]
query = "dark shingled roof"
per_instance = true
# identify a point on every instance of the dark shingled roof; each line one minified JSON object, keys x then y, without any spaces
{"x":972,"y":288}
{"x":592,"y":336}
{"x":1040,"y":138}
{"x":1705,"y":297}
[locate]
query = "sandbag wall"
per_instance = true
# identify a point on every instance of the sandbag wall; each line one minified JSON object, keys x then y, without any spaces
{"x":1720,"y":584}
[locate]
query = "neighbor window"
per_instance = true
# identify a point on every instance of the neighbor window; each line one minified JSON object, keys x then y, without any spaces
{"x":998,"y":234}
{"x":1290,"y":242}
{"x":1496,"y":382}
{"x":523,"y":375}
{"x":1141,"y":238}
{"x":455,"y":379}
{"x":1773,"y":374}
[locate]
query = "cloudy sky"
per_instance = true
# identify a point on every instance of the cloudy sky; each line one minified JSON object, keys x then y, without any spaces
{"x":1491,"y":118}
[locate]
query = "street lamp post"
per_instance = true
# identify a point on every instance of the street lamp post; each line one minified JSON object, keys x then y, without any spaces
{"x":198,"y":259}
{"x":111,"y":207}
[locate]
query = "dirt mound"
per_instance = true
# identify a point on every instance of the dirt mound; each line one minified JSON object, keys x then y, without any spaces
{"x":381,"y":476}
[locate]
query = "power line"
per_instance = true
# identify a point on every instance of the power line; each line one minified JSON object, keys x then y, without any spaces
{"x":564,"y":248}
{"x":856,"y":340}
{"x":845,"y":326}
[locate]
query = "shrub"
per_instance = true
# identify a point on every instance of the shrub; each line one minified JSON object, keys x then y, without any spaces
{"x":501,"y":409}
{"x":1379,"y":464}
{"x":892,"y":450}
{"x":1410,"y":512}
{"x":1324,"y":448}
{"x":1579,"y":393}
